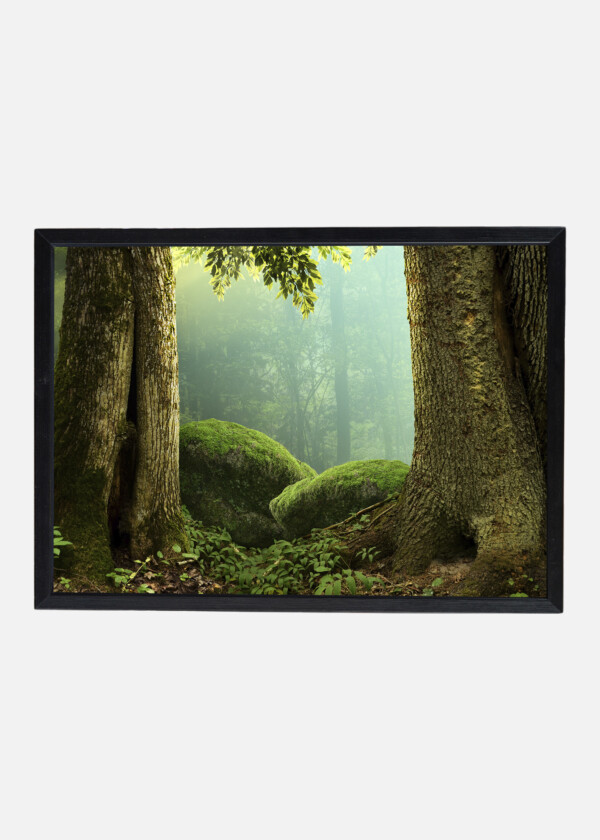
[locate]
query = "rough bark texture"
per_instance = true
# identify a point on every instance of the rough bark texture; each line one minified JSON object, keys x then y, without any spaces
{"x":116,"y":448}
{"x":156,"y":506}
{"x":526,"y":297}
{"x":92,"y":376}
{"x":476,"y":479}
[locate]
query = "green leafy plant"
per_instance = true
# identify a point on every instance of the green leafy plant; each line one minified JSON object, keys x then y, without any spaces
{"x":367,"y":555}
{"x":428,"y":591}
{"x":525,"y":582}
{"x":123,"y":578}
{"x":347,"y":580}
{"x":120,"y":577}
{"x":59,"y":542}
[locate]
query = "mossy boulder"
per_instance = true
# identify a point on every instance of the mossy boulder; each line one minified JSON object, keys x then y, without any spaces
{"x":229,"y":474}
{"x":335,"y":494}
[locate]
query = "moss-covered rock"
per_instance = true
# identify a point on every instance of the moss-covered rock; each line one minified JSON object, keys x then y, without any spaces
{"x":229,"y":474}
{"x":335,"y":494}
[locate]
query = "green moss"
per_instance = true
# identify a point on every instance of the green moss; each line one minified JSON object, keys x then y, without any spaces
{"x":502,"y":574}
{"x":81,"y":514}
{"x":229,"y":474}
{"x":160,"y":534}
{"x":78,"y":495}
{"x":220,"y":437}
{"x":96,"y":286}
{"x":335,"y":494}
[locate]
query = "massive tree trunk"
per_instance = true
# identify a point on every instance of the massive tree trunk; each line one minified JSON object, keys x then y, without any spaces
{"x":477,"y":471}
{"x":92,"y":376}
{"x":117,"y":407}
{"x":476,"y":484}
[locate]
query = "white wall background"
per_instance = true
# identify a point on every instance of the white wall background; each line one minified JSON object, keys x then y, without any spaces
{"x":293,"y":726}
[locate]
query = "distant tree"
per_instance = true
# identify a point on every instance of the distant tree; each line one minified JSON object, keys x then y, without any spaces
{"x":340,"y":357}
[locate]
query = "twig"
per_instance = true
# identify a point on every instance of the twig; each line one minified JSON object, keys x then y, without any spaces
{"x":358,"y":513}
{"x":379,"y":515}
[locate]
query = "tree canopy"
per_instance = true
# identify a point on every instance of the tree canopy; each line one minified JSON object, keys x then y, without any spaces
{"x":294,"y":268}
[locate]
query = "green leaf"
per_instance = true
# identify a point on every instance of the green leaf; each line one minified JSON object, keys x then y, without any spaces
{"x":436,"y":582}
{"x":351,"y":583}
{"x":337,"y":587}
{"x":519,"y":595}
{"x":177,"y":549}
{"x":160,"y":555}
{"x":428,"y":592}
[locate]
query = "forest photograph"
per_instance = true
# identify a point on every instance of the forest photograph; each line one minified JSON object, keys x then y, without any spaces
{"x":284,"y":420}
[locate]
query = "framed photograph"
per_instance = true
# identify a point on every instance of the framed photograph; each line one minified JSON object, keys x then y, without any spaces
{"x":340,"y":419}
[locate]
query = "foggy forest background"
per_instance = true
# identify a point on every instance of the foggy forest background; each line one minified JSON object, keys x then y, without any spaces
{"x":252,"y":359}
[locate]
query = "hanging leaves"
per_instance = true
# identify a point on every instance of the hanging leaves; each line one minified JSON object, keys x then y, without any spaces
{"x":294,"y":268}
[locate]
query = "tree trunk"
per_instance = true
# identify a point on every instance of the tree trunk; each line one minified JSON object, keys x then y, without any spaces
{"x":476,"y":484}
{"x":476,"y":477}
{"x":340,"y":359}
{"x":116,"y":434}
{"x":92,"y":377}
{"x":156,"y":519}
{"x":526,"y":296}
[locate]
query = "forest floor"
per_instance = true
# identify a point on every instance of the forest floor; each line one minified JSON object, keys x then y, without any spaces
{"x":440,"y":580}
{"x":312,"y":565}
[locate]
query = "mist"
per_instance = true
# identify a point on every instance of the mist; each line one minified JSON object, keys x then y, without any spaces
{"x":334,"y":387}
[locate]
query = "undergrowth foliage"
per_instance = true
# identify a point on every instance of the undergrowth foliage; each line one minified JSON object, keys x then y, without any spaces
{"x":60,"y":542}
{"x":302,"y":566}
{"x":310,"y":565}
{"x":305,"y":566}
{"x":215,"y":564}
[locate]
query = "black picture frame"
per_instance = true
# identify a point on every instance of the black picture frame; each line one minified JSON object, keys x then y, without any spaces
{"x":47,"y":239}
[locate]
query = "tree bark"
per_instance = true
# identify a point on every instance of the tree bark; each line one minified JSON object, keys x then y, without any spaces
{"x":116,"y":434}
{"x":526,"y":297}
{"x":92,"y":377}
{"x":156,"y":518}
{"x":476,"y":477}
